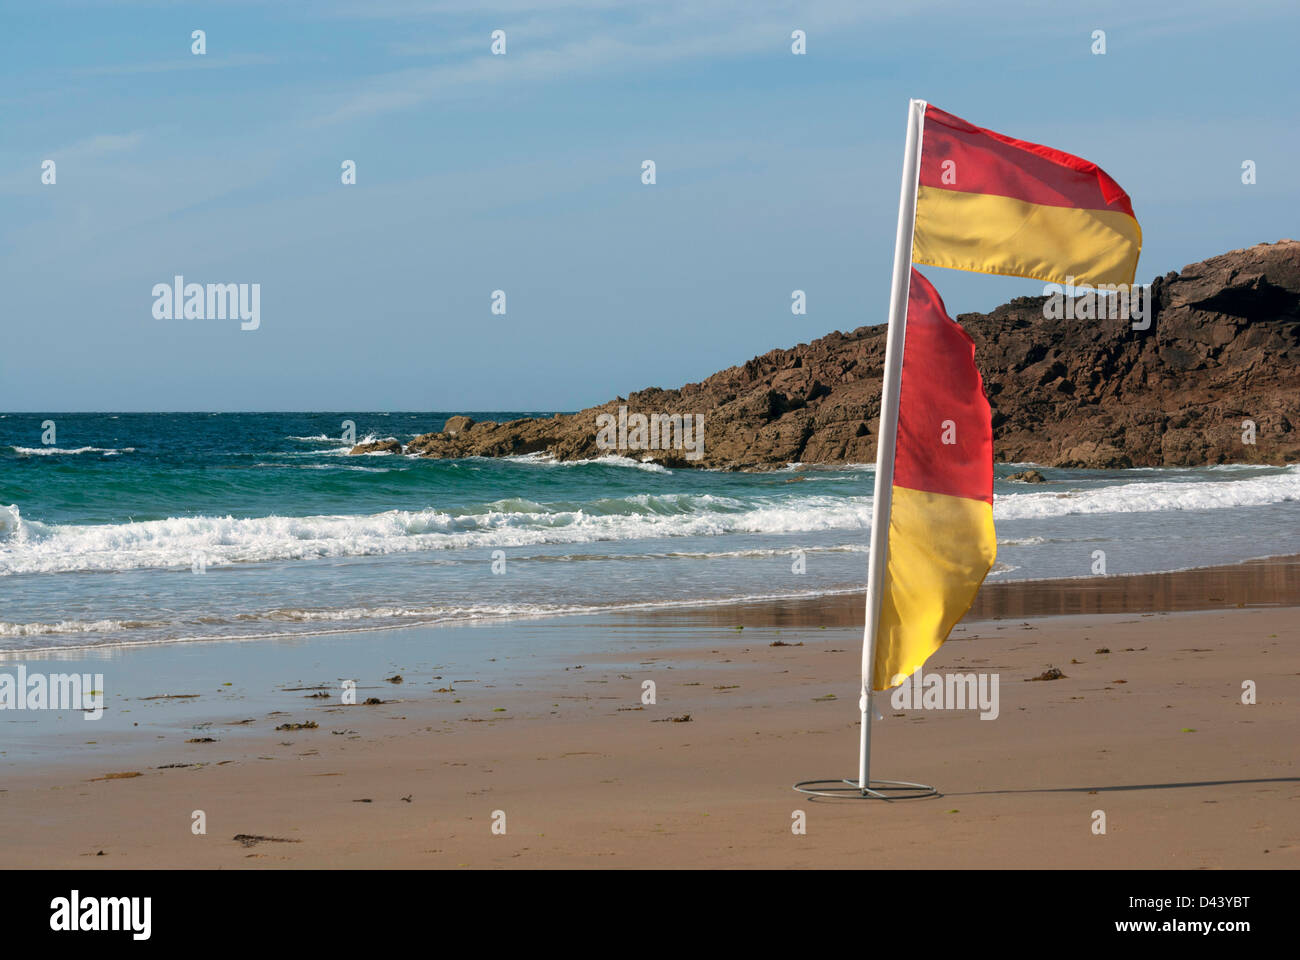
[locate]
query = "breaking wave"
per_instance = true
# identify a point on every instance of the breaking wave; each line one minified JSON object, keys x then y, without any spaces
{"x":1153,"y":496}
{"x":29,"y":546}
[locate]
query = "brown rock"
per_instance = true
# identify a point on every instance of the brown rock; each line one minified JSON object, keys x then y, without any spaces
{"x":1223,"y":347}
{"x":377,"y":446}
{"x":457,"y":425}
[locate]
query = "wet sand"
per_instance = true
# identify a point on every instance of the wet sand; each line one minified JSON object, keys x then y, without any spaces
{"x":1274,"y":581}
{"x":1152,"y":734}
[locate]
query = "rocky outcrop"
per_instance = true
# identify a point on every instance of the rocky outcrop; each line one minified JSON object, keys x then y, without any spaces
{"x":378,"y":446}
{"x":1222,"y":348}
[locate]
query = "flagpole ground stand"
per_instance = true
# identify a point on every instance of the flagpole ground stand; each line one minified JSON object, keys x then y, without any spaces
{"x":876,"y":790}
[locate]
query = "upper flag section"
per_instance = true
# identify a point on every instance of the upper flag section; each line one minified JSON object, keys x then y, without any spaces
{"x":992,"y":204}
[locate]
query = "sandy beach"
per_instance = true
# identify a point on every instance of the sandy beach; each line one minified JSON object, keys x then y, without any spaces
{"x":1153,"y":733}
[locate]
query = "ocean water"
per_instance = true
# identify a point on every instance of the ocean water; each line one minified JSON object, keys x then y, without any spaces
{"x":148,"y":528}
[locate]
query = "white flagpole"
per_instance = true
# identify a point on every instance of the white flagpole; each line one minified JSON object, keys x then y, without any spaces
{"x":898,"y":293}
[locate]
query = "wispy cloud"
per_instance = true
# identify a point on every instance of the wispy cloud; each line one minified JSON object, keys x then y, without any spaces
{"x":640,"y":33}
{"x":101,"y":144}
{"x":23,"y":175}
{"x":180,"y":63}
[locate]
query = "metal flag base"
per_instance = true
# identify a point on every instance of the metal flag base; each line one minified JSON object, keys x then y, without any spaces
{"x":876,"y":789}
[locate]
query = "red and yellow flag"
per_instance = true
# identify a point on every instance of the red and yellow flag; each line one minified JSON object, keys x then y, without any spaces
{"x":992,"y":204}
{"x":941,"y":542}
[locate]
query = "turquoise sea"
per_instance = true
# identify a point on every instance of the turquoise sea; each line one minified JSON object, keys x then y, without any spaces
{"x":148,"y":528}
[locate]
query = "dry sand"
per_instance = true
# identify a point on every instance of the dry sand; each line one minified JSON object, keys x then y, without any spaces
{"x":1153,"y":733}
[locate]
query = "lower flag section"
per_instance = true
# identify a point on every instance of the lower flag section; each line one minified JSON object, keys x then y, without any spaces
{"x":941,"y":541}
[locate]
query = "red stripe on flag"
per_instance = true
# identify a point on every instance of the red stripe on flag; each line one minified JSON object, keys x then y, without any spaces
{"x":987,"y":162}
{"x":941,"y":399}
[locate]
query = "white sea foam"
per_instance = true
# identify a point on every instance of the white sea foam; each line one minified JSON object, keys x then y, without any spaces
{"x":1022,"y":542}
{"x":10,"y":521}
{"x":60,"y":451}
{"x":28,"y":546}
{"x":32,"y":547}
{"x":74,"y":627}
{"x":609,"y":460}
{"x":1149,"y":497}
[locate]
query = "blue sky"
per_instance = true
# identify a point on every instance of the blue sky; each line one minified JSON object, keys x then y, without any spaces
{"x":522,"y":173}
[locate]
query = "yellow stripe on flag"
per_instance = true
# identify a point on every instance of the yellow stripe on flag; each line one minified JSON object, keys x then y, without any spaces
{"x":940,"y":549}
{"x":994,"y":234}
